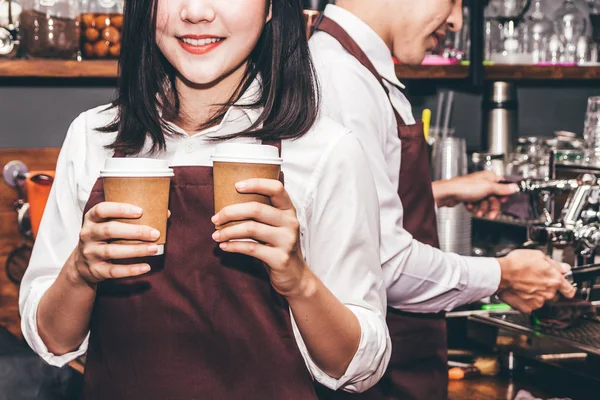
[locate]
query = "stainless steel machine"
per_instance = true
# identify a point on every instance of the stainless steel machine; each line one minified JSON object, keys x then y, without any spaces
{"x":570,"y":231}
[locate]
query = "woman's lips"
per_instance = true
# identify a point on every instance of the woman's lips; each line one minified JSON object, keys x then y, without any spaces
{"x":199,"y":45}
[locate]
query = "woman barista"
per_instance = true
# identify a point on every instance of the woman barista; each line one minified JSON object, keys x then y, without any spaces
{"x":216,"y":319}
{"x":352,"y":50}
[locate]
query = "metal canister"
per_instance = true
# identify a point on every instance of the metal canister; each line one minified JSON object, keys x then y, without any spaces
{"x":8,"y":44}
{"x":500,"y":118}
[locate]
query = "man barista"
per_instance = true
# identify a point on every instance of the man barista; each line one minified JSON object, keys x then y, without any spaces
{"x":352,"y":50}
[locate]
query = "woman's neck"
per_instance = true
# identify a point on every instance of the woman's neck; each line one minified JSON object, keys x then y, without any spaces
{"x":199,"y":103}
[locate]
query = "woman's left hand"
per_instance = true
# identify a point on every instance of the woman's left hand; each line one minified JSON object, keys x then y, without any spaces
{"x":275,"y":228}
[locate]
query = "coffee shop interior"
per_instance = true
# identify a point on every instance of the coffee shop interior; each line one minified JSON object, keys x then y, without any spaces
{"x":516,"y":91}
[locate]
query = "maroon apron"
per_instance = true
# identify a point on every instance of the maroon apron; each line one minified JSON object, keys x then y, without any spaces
{"x":203,"y":324}
{"x":418,"y":367}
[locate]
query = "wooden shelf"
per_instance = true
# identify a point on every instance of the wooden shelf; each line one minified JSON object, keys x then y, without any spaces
{"x":58,"y":69}
{"x":432,"y":72}
{"x":501,"y":72}
{"x":108,"y":69}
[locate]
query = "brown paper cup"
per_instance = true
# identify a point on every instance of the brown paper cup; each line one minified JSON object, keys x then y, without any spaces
{"x":227,"y":174}
{"x":144,"y":183}
{"x":150,"y":194}
{"x":238,"y":162}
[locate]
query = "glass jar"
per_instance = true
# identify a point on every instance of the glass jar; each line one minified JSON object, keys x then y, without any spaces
{"x":569,"y":24}
{"x":101,"y":25}
{"x":50,"y":28}
{"x":540,"y":29}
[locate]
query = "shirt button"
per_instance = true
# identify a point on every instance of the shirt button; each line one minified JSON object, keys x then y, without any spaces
{"x":189,"y":148}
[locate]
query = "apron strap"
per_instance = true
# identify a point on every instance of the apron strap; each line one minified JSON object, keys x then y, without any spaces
{"x":332,"y":28}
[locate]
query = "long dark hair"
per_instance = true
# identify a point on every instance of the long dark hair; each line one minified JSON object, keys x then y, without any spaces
{"x":146,"y":86}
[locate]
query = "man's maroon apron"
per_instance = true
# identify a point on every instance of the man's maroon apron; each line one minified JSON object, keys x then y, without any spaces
{"x":203,"y":324}
{"x":418,"y":367}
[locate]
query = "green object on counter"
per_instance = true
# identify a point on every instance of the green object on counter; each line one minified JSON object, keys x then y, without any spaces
{"x":496,"y":307}
{"x":467,"y":63}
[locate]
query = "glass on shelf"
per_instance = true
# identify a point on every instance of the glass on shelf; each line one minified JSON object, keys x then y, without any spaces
{"x":539,"y":30}
{"x":101,"y":25}
{"x":569,"y":25}
{"x":50,"y":28}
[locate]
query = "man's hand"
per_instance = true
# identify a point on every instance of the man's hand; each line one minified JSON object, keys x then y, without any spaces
{"x":480,"y":191}
{"x":529,"y":279}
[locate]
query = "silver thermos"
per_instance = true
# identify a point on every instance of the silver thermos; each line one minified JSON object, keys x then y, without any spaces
{"x":500,"y":120}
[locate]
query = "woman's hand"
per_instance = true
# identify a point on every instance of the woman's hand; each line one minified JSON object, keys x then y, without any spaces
{"x":94,"y":253}
{"x":275,"y":228}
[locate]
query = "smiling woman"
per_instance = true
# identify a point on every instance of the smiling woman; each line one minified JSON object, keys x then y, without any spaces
{"x":248,"y":36}
{"x":290,"y":294}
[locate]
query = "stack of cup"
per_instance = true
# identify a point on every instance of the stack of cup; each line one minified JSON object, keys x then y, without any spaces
{"x":454,"y":223}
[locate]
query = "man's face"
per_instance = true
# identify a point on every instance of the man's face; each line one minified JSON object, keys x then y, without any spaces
{"x":415,"y":27}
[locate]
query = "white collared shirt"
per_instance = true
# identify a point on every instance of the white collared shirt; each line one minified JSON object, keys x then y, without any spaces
{"x":419,"y":278}
{"x":340,"y":243}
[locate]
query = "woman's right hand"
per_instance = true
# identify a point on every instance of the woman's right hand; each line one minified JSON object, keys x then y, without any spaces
{"x":94,"y":254}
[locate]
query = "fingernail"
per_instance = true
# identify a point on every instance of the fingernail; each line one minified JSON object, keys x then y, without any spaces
{"x":216,"y":235}
{"x":144,"y":269}
{"x":155,"y":234}
{"x":215,"y":219}
{"x":240,"y":185}
{"x":223,"y":246}
{"x":514,"y":187}
{"x":135,"y":210}
{"x":153,"y":249}
{"x":565,"y":268}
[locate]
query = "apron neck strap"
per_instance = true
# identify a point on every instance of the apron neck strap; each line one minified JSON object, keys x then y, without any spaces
{"x":333,"y":29}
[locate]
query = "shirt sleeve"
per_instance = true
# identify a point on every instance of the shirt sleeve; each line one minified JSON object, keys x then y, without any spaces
{"x":419,"y":278}
{"x":343,"y":241}
{"x":57,"y":237}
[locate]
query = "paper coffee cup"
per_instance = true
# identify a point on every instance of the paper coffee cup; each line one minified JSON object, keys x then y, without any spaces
{"x":235,"y":162}
{"x":142,"y":182}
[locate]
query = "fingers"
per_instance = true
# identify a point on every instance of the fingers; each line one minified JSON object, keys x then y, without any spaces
{"x":504,"y":190}
{"x":482,"y":208}
{"x":249,"y":211}
{"x":267,"y":187}
{"x":495,"y":208}
{"x":566,"y":289}
{"x":104,"y":251}
{"x":105,"y":270}
{"x":103,"y":211}
{"x":281,"y":238}
{"x":119,"y":230}
{"x":269,"y":255}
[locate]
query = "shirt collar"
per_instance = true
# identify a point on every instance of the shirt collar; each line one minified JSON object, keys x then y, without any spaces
{"x":368,"y":40}
{"x":238,"y":117}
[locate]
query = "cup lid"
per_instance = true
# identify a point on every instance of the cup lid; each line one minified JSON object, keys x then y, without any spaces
{"x":136,"y":168}
{"x":247,"y":153}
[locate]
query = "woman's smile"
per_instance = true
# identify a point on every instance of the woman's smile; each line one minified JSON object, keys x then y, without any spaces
{"x":199,"y":44}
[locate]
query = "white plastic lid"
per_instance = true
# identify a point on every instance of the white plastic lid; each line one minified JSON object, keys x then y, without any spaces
{"x":247,"y":153}
{"x":136,"y":168}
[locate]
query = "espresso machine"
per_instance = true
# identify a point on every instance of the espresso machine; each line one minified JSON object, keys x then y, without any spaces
{"x":569,"y":231}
